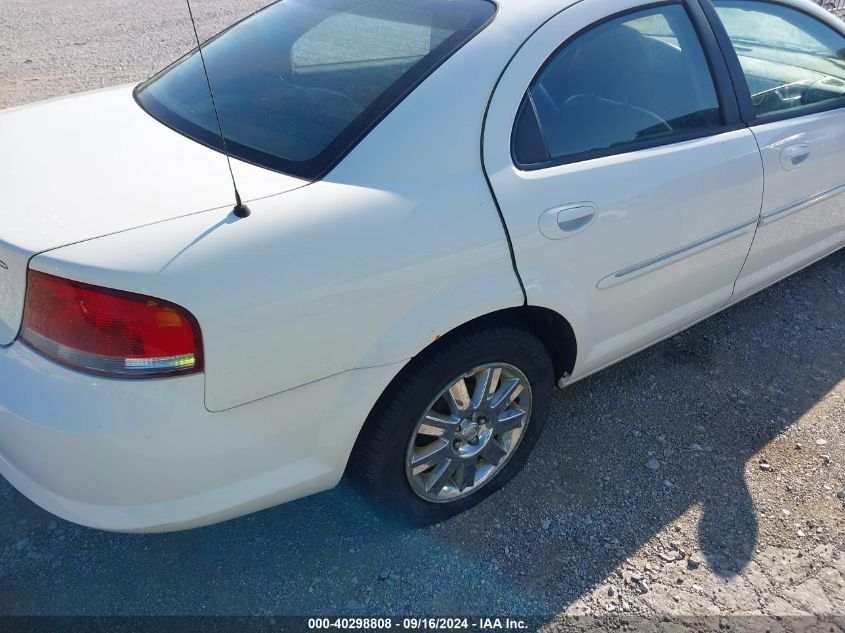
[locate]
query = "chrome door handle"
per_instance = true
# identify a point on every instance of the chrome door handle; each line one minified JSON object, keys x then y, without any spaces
{"x":565,"y":221}
{"x":793,"y":156}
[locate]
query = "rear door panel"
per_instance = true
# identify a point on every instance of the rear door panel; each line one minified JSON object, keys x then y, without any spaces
{"x":672,"y":228}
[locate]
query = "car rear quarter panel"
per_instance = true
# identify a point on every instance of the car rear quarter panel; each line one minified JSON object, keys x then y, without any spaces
{"x":316,"y":282}
{"x":401,"y":243}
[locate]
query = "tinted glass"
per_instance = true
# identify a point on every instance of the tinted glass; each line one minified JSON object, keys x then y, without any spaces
{"x":298,"y":83}
{"x":636,"y":79}
{"x":791,"y":61}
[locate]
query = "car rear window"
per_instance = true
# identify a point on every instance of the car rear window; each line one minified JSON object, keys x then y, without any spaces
{"x":299,"y":83}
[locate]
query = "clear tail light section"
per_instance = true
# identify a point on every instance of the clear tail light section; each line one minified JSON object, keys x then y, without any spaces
{"x":109,"y":332}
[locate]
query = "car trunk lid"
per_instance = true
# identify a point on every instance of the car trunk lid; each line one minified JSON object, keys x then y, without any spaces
{"x":77,"y":168}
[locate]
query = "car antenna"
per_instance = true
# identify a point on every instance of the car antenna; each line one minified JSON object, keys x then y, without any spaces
{"x":240,"y":210}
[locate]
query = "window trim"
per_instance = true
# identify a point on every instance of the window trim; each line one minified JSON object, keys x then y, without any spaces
{"x":740,"y":84}
{"x":528,"y":106}
{"x":314,"y":170}
{"x":722,"y":84}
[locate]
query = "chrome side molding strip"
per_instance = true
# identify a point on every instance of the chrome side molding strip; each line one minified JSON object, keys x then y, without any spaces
{"x":783,"y":212}
{"x":656,"y":263}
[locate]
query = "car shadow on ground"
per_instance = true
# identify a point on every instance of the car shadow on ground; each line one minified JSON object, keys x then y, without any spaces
{"x":703,"y":404}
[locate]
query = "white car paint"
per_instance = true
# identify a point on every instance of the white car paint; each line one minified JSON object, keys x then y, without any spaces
{"x":663,"y":199}
{"x":96,"y":164}
{"x":141,"y":456}
{"x":313,"y":304}
{"x":803,"y":216}
{"x":391,"y":266}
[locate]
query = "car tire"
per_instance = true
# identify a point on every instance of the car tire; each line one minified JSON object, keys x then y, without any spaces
{"x":394,"y":471}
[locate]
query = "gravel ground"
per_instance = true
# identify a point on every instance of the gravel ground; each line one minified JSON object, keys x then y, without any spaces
{"x":703,"y":477}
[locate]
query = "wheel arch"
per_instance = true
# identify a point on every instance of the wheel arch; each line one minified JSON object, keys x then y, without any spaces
{"x":553,"y":329}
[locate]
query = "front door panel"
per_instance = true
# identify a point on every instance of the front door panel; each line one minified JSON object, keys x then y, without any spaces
{"x":792,"y":68}
{"x":804,"y":205}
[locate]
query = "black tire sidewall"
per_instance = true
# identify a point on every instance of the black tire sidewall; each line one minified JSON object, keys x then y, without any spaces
{"x":432,"y":375}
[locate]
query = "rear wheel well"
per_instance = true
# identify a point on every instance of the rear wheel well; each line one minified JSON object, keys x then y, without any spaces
{"x":549,"y":326}
{"x":556,"y":333}
{"x":553,"y":331}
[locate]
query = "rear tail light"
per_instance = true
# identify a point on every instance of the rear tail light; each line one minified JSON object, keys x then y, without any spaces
{"x":109,"y":332}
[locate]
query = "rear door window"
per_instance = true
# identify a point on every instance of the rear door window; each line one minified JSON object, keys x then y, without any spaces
{"x":633,"y":81}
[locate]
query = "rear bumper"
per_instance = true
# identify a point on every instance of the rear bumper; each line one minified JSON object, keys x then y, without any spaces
{"x":146,"y":456}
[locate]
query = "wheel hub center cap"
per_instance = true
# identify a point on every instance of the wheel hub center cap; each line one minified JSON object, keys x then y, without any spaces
{"x":469,"y":432}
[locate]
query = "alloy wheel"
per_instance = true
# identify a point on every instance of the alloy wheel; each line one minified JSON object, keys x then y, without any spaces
{"x":468,"y":433}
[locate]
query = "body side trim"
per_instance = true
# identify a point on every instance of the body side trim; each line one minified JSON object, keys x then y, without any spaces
{"x":728,"y":304}
{"x":783,"y":212}
{"x":676,"y":255}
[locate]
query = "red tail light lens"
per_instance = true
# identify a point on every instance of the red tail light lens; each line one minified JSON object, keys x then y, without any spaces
{"x":109,"y":332}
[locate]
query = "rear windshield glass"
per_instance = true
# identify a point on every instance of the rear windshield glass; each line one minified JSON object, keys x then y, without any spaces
{"x":299,"y":83}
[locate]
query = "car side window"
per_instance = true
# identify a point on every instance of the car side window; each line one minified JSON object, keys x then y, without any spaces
{"x":634,"y":81}
{"x":791,"y":61}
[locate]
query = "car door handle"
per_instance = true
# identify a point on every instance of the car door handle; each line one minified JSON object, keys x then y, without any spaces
{"x":565,"y":221}
{"x":793,"y":156}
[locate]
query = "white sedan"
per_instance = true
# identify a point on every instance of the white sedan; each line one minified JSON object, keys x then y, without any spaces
{"x":391,"y":231}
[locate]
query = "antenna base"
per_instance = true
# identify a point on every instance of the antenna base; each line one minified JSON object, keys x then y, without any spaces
{"x":241,"y":210}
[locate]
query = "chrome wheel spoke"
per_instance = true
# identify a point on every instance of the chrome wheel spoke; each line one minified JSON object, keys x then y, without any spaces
{"x":509,"y":420}
{"x":425,"y":457}
{"x":436,"y":425}
{"x":440,"y":477}
{"x":457,"y":397}
{"x":493,"y":452}
{"x":485,"y":382}
{"x":507,"y":393}
{"x":466,"y":476}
